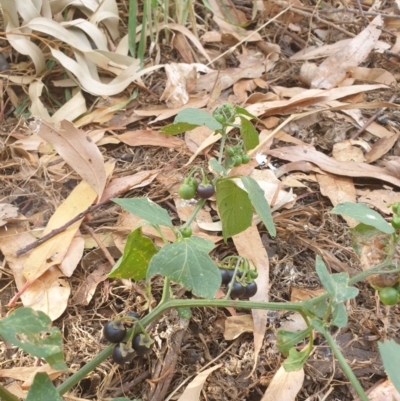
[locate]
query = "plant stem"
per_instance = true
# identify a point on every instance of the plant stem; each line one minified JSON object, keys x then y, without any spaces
{"x":196,"y":210}
{"x":161,"y":309}
{"x":345,"y":366}
{"x":222,"y":145}
{"x":83,"y":371}
{"x":5,"y":395}
{"x":167,"y":304}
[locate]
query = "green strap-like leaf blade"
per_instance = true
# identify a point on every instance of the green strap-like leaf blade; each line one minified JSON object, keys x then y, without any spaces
{"x":136,"y":258}
{"x":197,"y":117}
{"x":249,"y":134}
{"x":43,"y":389}
{"x":362,"y":213}
{"x":146,"y":209}
{"x":31,"y":331}
{"x":390,"y":353}
{"x":187,"y":262}
{"x":260,"y":204}
{"x":234,"y":208}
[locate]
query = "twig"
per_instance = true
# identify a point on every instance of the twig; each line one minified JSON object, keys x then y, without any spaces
{"x":374,"y":117}
{"x":105,"y":251}
{"x":58,"y":230}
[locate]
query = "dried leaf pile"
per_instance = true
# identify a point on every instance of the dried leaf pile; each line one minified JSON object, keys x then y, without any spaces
{"x":80,"y":126}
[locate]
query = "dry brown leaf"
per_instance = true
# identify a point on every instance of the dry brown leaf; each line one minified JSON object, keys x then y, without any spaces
{"x":301,"y":294}
{"x":284,"y":386}
{"x":86,"y":291}
{"x":373,"y":75}
{"x":7,"y":213}
{"x":381,"y":199}
{"x":27,"y":374}
{"x":338,"y":190}
{"x":150,"y":138}
{"x":181,"y":80}
{"x":241,"y":88}
{"x":226,"y":27}
{"x":345,"y":151}
{"x":193,"y":390}
{"x":78,"y":150}
{"x":381,"y":147}
{"x":180,"y":43}
{"x":16,"y":389}
{"x":384,"y":392}
{"x":334,"y":69}
{"x":120,"y":185}
{"x":226,"y":78}
{"x":49,"y":293}
{"x":249,"y":245}
{"x":307,"y":98}
{"x":53,"y":251}
{"x":162,"y":114}
{"x":236,"y":325}
{"x":196,"y":137}
{"x":73,"y":256}
{"x":299,"y":153}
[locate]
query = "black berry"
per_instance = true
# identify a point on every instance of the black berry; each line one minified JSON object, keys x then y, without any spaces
{"x":114,"y":332}
{"x":122,"y":354}
{"x":142,"y":344}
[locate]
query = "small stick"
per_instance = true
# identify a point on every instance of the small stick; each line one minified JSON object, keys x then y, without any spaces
{"x":105,"y":251}
{"x":58,"y":230}
{"x":374,"y":117}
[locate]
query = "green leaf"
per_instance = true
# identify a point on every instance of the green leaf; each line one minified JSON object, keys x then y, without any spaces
{"x":234,"y":208}
{"x":42,"y":389}
{"x":339,"y":316}
{"x":31,"y":331}
{"x":342,"y":291}
{"x":335,"y":284}
{"x":318,"y":325}
{"x":319,"y":309}
{"x":187,"y":262}
{"x":324,"y":276}
{"x":362,"y":213}
{"x":145,"y":209}
{"x":215,"y":166}
{"x":296,"y":360}
{"x":184,"y":313}
{"x":249,"y":134}
{"x":177,"y":128}
{"x":390,"y":353}
{"x":288,"y":339}
{"x":260,"y":204}
{"x":244,"y":112}
{"x":136,"y":258}
{"x":197,"y":117}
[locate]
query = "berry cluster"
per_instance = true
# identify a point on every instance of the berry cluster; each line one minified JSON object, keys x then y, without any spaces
{"x":236,"y":156}
{"x":123,"y":352}
{"x":240,"y":289}
{"x":190,"y":187}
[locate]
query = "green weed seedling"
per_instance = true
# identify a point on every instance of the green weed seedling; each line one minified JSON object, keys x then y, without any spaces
{"x":186,"y":261}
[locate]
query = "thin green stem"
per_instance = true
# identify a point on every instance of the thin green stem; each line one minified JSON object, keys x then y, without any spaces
{"x":222,"y":145}
{"x":5,"y":395}
{"x":345,"y":366}
{"x":197,"y":208}
{"x":166,"y":304}
{"x":160,"y":310}
{"x":85,"y":370}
